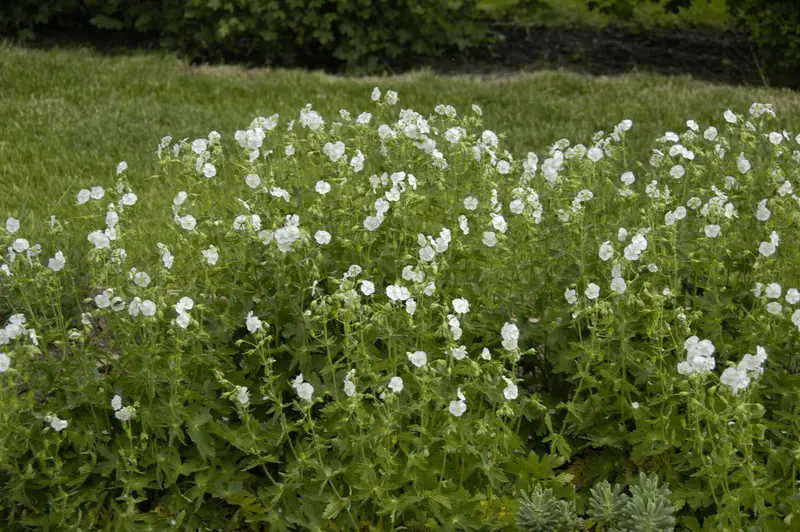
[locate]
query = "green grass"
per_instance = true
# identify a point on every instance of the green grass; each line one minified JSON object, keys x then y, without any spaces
{"x":68,"y":117}
{"x":711,"y":13}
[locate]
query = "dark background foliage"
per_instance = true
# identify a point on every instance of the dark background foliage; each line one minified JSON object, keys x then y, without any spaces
{"x":389,"y":35}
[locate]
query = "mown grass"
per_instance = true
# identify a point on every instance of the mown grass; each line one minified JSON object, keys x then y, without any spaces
{"x":711,"y":13}
{"x":68,"y":117}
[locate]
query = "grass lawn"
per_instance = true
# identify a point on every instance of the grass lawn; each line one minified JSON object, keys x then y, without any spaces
{"x":68,"y":117}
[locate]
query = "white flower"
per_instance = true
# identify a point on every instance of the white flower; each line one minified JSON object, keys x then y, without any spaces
{"x":453,"y":135}
{"x":187,"y":222}
{"x":767,"y":249}
{"x":117,"y":304}
{"x":147,"y":308}
{"x":123,"y":414}
{"x":242,"y":395}
{"x":712,"y":230}
{"x":12,"y":225}
{"x":304,"y":389}
{"x":371,"y":223}
{"x":253,"y":323}
{"x":83,"y":196}
{"x":510,"y":334}
{"x":606,"y":251}
{"x":595,"y":154}
{"x":635,"y":405}
{"x":503,"y":167}
{"x":57,"y":263}
{"x":129,"y":199}
{"x":103,"y":300}
{"x":470,"y":203}
{"x":391,"y":97}
{"x":774,"y":290}
{"x":729,"y":116}
{"x":460,"y":306}
{"x":322,"y":187}
{"x":5,"y":362}
{"x":592,"y":291}
{"x":735,"y":379}
{"x":485,"y":354}
{"x":796,"y":318}
{"x":396,"y":384}
{"x":376,"y":94}
{"x":618,"y":285}
{"x":252,"y":180}
{"x":397,"y":292}
{"x":457,"y":408}
{"x":19,"y":245}
{"x":180,"y":198}
{"x":209,"y":170}
{"x":184,"y":304}
{"x":460,"y":352}
{"x":57,"y":424}
{"x":499,"y":223}
{"x":211,"y":255}
{"x":141,"y":279}
{"x":489,"y":239}
{"x":792,"y":296}
{"x":116,"y":402}
{"x":334,"y":151}
{"x":367,"y":288}
{"x":322,"y":237}
{"x":511,"y":391}
{"x":677,"y":171}
{"x":418,"y":358}
{"x":349,"y":385}
{"x":430,"y":288}
{"x":710,"y":134}
{"x":636,"y":247}
{"x":427,"y":254}
{"x":97,"y":193}
{"x":774,"y":308}
{"x":628,"y":178}
{"x":411,"y":306}
{"x":199,"y":146}
{"x":364,"y":118}
{"x":742,"y":164}
{"x":571,"y":296}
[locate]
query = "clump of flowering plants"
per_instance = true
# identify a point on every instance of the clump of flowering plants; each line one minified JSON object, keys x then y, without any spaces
{"x":386,"y":320}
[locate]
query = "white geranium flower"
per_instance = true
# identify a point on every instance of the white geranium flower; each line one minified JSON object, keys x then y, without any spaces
{"x":12,"y":225}
{"x":58,"y":262}
{"x":606,"y":251}
{"x":418,"y":358}
{"x":592,"y":291}
{"x":252,"y":181}
{"x":253,"y":323}
{"x":367,"y":287}
{"x":712,"y":230}
{"x":460,"y":306}
{"x":511,"y":391}
{"x":211,"y":255}
{"x":141,"y":279}
{"x":322,"y":237}
{"x":460,"y":352}
{"x":396,"y":384}
{"x":510,"y":334}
